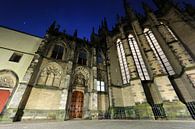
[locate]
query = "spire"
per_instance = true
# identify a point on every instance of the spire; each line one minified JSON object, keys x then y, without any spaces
{"x":146,"y":7}
{"x":93,"y":30}
{"x":118,"y":18}
{"x":164,"y":5}
{"x":160,"y":3}
{"x":105,"y":23}
{"x":93,"y":35}
{"x":75,"y":33}
{"x":189,"y":8}
{"x":128,"y":11}
{"x":53,"y":28}
{"x":125,"y":5}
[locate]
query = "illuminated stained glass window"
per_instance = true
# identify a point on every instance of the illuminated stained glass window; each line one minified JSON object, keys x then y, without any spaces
{"x":138,"y":59}
{"x":123,"y":62}
{"x":167,"y":68}
{"x":100,"y":86}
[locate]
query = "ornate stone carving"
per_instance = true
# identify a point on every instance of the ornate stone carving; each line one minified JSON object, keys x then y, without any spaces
{"x":53,"y":68}
{"x":81,"y":76}
{"x":51,"y":75}
{"x":79,"y":80}
{"x":83,"y":71}
{"x":7,"y":79}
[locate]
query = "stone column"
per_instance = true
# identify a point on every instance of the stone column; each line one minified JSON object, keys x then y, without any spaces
{"x":94,"y":95}
{"x":110,"y":94}
{"x":66,"y":91}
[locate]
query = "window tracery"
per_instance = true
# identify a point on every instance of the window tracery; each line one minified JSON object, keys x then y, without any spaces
{"x":123,"y":62}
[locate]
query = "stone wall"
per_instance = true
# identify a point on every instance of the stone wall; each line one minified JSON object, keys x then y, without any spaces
{"x":117,"y":97}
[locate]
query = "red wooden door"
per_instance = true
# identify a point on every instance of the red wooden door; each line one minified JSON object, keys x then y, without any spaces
{"x":76,"y":105}
{"x":4,"y":96}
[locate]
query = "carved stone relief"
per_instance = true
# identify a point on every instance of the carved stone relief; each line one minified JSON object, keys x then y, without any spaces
{"x":8,"y":79}
{"x":81,"y":76}
{"x":51,"y":75}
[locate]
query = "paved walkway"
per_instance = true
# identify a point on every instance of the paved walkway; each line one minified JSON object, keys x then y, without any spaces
{"x":102,"y":124}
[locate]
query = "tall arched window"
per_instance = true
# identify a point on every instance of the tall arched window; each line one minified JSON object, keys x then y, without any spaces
{"x":170,"y":31}
{"x":158,"y":52}
{"x":123,"y":62}
{"x":57,"y":52}
{"x":82,"y":57}
{"x":138,"y":59}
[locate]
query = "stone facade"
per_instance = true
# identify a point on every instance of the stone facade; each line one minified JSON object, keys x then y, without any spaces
{"x":141,"y":69}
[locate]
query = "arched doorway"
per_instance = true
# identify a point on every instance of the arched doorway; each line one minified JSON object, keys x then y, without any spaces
{"x":8,"y":80}
{"x":76,"y":107}
{"x":4,"y":96}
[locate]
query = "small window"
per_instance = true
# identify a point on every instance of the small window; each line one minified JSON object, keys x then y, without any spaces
{"x":100,"y":86}
{"x":15,"y":57}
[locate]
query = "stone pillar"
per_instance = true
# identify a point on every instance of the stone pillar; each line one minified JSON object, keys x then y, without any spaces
{"x":94,"y":105}
{"x":67,"y":87}
{"x":64,"y":96}
{"x":110,"y":94}
{"x":86,"y":111}
{"x":94,"y":95}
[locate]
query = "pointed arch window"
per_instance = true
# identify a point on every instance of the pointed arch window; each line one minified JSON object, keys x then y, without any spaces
{"x":82,"y":58}
{"x":123,"y":62}
{"x":57,"y":52}
{"x":170,"y":31}
{"x":138,"y":59}
{"x":167,"y":68}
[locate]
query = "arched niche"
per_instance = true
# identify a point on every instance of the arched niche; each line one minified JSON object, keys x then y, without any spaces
{"x":51,"y":75}
{"x":81,"y":76}
{"x":8,"y":79}
{"x":79,"y":80}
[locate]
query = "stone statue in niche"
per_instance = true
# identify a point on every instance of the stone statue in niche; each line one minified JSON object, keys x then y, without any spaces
{"x":79,"y":80}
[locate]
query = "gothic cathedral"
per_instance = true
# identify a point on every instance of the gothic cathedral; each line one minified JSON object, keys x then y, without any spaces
{"x":141,"y":69}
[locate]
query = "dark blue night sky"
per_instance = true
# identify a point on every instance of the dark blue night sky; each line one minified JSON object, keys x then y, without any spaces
{"x":35,"y":16}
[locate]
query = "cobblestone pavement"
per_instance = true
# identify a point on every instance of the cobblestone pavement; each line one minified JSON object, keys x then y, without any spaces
{"x":101,"y":124}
